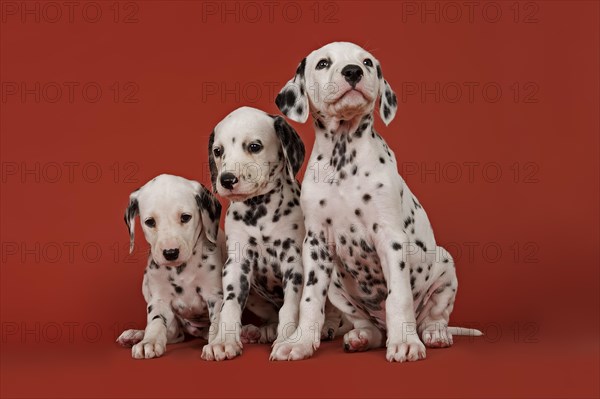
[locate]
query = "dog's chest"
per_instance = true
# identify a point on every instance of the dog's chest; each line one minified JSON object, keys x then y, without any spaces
{"x":183,"y":285}
{"x":187,"y":301}
{"x":345,"y":177}
{"x":268,"y":246}
{"x":269,"y":254}
{"x":281,"y":207}
{"x":340,"y":202}
{"x":266,"y":260}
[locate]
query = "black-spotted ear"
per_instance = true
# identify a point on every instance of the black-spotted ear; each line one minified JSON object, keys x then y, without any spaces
{"x":291,"y":145}
{"x":210,"y":212}
{"x":211,"y":162}
{"x":131,"y":212}
{"x":292,"y":100}
{"x":388,"y":104}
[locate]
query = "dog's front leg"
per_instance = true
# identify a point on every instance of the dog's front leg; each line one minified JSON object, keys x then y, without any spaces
{"x":161,"y":328}
{"x":213,"y":296}
{"x":212,"y":288}
{"x":214,"y":301}
{"x":292,"y":291}
{"x":318,"y":266}
{"x":403,"y":343}
{"x":237,"y":275}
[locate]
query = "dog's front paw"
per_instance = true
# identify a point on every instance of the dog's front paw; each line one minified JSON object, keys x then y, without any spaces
{"x":408,"y":350}
{"x":222,"y":350}
{"x":286,"y":350}
{"x":130,"y":337}
{"x":148,"y":349}
{"x":328,"y":331}
{"x":250,"y":334}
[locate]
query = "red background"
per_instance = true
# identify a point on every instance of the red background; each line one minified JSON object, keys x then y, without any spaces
{"x":537,"y":298}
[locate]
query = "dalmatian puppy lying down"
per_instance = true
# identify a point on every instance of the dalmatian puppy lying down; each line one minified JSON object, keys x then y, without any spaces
{"x":254,"y":158}
{"x":182,"y":282}
{"x":388,"y":276}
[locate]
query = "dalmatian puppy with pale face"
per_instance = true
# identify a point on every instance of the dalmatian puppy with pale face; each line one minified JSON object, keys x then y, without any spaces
{"x":182,"y":282}
{"x":388,"y":276}
{"x":254,"y":158}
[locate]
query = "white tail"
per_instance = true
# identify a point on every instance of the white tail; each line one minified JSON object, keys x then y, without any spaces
{"x":464,"y":331}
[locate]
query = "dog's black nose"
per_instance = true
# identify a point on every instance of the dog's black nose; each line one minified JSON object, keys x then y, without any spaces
{"x":171,"y":254}
{"x":352,"y":74}
{"x":228,"y":180}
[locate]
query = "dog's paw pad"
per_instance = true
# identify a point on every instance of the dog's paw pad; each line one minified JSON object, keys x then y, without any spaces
{"x":356,"y":340}
{"x":250,"y":334}
{"x":130,"y":337}
{"x":221,"y":351}
{"x":437,"y":338}
{"x":148,"y":350}
{"x":408,"y":351}
{"x":289,"y":351}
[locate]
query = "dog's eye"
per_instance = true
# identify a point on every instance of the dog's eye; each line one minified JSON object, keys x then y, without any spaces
{"x":368,"y":62}
{"x":150,"y":222}
{"x":324,"y":63}
{"x":255,"y":147}
{"x":185,"y":217}
{"x":217,"y":152}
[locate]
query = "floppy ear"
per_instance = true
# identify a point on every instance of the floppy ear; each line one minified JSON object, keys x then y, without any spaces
{"x":210,"y":212}
{"x":131,"y":212}
{"x":211,"y":162}
{"x":388,"y":104}
{"x":292,"y":100}
{"x":291,"y":145}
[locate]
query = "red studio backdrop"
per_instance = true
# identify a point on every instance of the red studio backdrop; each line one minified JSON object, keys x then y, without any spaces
{"x":496,"y":133}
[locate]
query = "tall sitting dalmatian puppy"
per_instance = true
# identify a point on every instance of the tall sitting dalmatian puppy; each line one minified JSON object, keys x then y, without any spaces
{"x":182,"y":282}
{"x":254,"y":158}
{"x":388,"y":276}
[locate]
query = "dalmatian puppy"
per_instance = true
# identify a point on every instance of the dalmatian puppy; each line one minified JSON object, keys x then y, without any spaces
{"x":182,"y":281}
{"x":388,"y":276}
{"x":254,"y":158}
